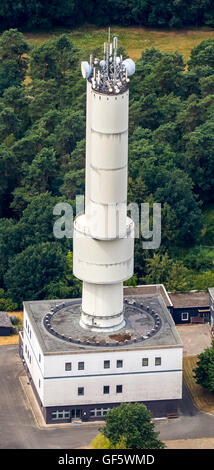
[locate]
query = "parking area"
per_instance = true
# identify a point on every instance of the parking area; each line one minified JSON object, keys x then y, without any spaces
{"x":195,"y":338}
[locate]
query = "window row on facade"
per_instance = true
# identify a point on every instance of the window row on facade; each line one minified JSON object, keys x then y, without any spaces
{"x":107,"y":364}
{"x":28,"y":328}
{"x":77,"y":413}
{"x":106,"y":390}
{"x":28,"y":354}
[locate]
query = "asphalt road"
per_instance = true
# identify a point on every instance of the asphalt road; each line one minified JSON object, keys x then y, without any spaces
{"x":18,"y":430}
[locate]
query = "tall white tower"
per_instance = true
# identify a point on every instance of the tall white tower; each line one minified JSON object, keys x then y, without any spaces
{"x":103,"y":245}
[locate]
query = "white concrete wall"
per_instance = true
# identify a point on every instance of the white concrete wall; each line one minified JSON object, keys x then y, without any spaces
{"x":139,"y":387}
{"x":132,"y":361}
{"x":139,"y":383}
{"x":33,"y":357}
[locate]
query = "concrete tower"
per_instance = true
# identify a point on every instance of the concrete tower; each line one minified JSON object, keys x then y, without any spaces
{"x":104,"y":236}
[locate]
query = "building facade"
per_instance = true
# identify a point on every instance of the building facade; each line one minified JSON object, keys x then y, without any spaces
{"x":76,"y":381}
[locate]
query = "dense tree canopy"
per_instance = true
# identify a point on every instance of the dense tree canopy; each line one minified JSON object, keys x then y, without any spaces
{"x":42,"y":159}
{"x":132,"y":423}
{"x":204,"y":371}
{"x":161,"y":13}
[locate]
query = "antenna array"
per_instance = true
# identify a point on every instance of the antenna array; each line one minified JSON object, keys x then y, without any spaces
{"x":110,"y":74}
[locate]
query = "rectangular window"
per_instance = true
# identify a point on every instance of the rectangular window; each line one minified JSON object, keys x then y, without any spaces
{"x":81,"y":366}
{"x":99,"y":412}
{"x":39,"y":357}
{"x":106,"y":364}
{"x":80,"y":391}
{"x":119,"y":363}
{"x":60,"y":414}
{"x":68,"y":366}
{"x":158,"y":361}
{"x":106,"y":389}
{"x":145,"y":361}
{"x":119,"y":388}
{"x":185,"y":316}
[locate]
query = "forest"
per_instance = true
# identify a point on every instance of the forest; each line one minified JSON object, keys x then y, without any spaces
{"x":28,"y":14}
{"x":42,"y":161}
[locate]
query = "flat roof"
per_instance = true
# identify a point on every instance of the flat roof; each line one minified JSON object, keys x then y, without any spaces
{"x":147,"y":289}
{"x":148,"y":325}
{"x":190,"y":299}
{"x":5,"y":320}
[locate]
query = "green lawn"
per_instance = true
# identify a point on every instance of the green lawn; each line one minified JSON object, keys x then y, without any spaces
{"x":133,"y":39}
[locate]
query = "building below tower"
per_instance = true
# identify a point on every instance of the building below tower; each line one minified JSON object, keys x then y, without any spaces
{"x":80,"y":374}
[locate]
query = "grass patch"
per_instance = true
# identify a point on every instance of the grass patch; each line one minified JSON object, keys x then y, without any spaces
{"x":133,"y":39}
{"x":7,"y":340}
{"x":202,"y":398}
{"x":14,"y":338}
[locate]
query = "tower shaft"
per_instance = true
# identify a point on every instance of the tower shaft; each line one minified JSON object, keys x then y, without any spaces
{"x":104,"y":235}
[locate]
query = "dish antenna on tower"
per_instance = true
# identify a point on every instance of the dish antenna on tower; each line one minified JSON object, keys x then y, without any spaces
{"x":110,"y":74}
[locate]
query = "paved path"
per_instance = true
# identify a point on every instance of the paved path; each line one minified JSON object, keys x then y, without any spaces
{"x":191,"y":423}
{"x":195,"y":338}
{"x":18,"y":429}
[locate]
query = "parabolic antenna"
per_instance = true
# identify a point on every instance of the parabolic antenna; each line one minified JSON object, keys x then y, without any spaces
{"x":129,"y":66}
{"x":86,"y":69}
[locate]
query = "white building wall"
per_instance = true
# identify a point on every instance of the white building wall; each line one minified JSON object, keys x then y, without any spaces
{"x":33,"y":356}
{"x":139,"y":382}
{"x":58,"y":387}
{"x":138,"y":387}
{"x":171,"y":359}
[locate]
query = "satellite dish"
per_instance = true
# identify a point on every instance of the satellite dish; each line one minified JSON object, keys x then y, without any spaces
{"x":102,"y":63}
{"x":86,"y":69}
{"x":129,"y":66}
